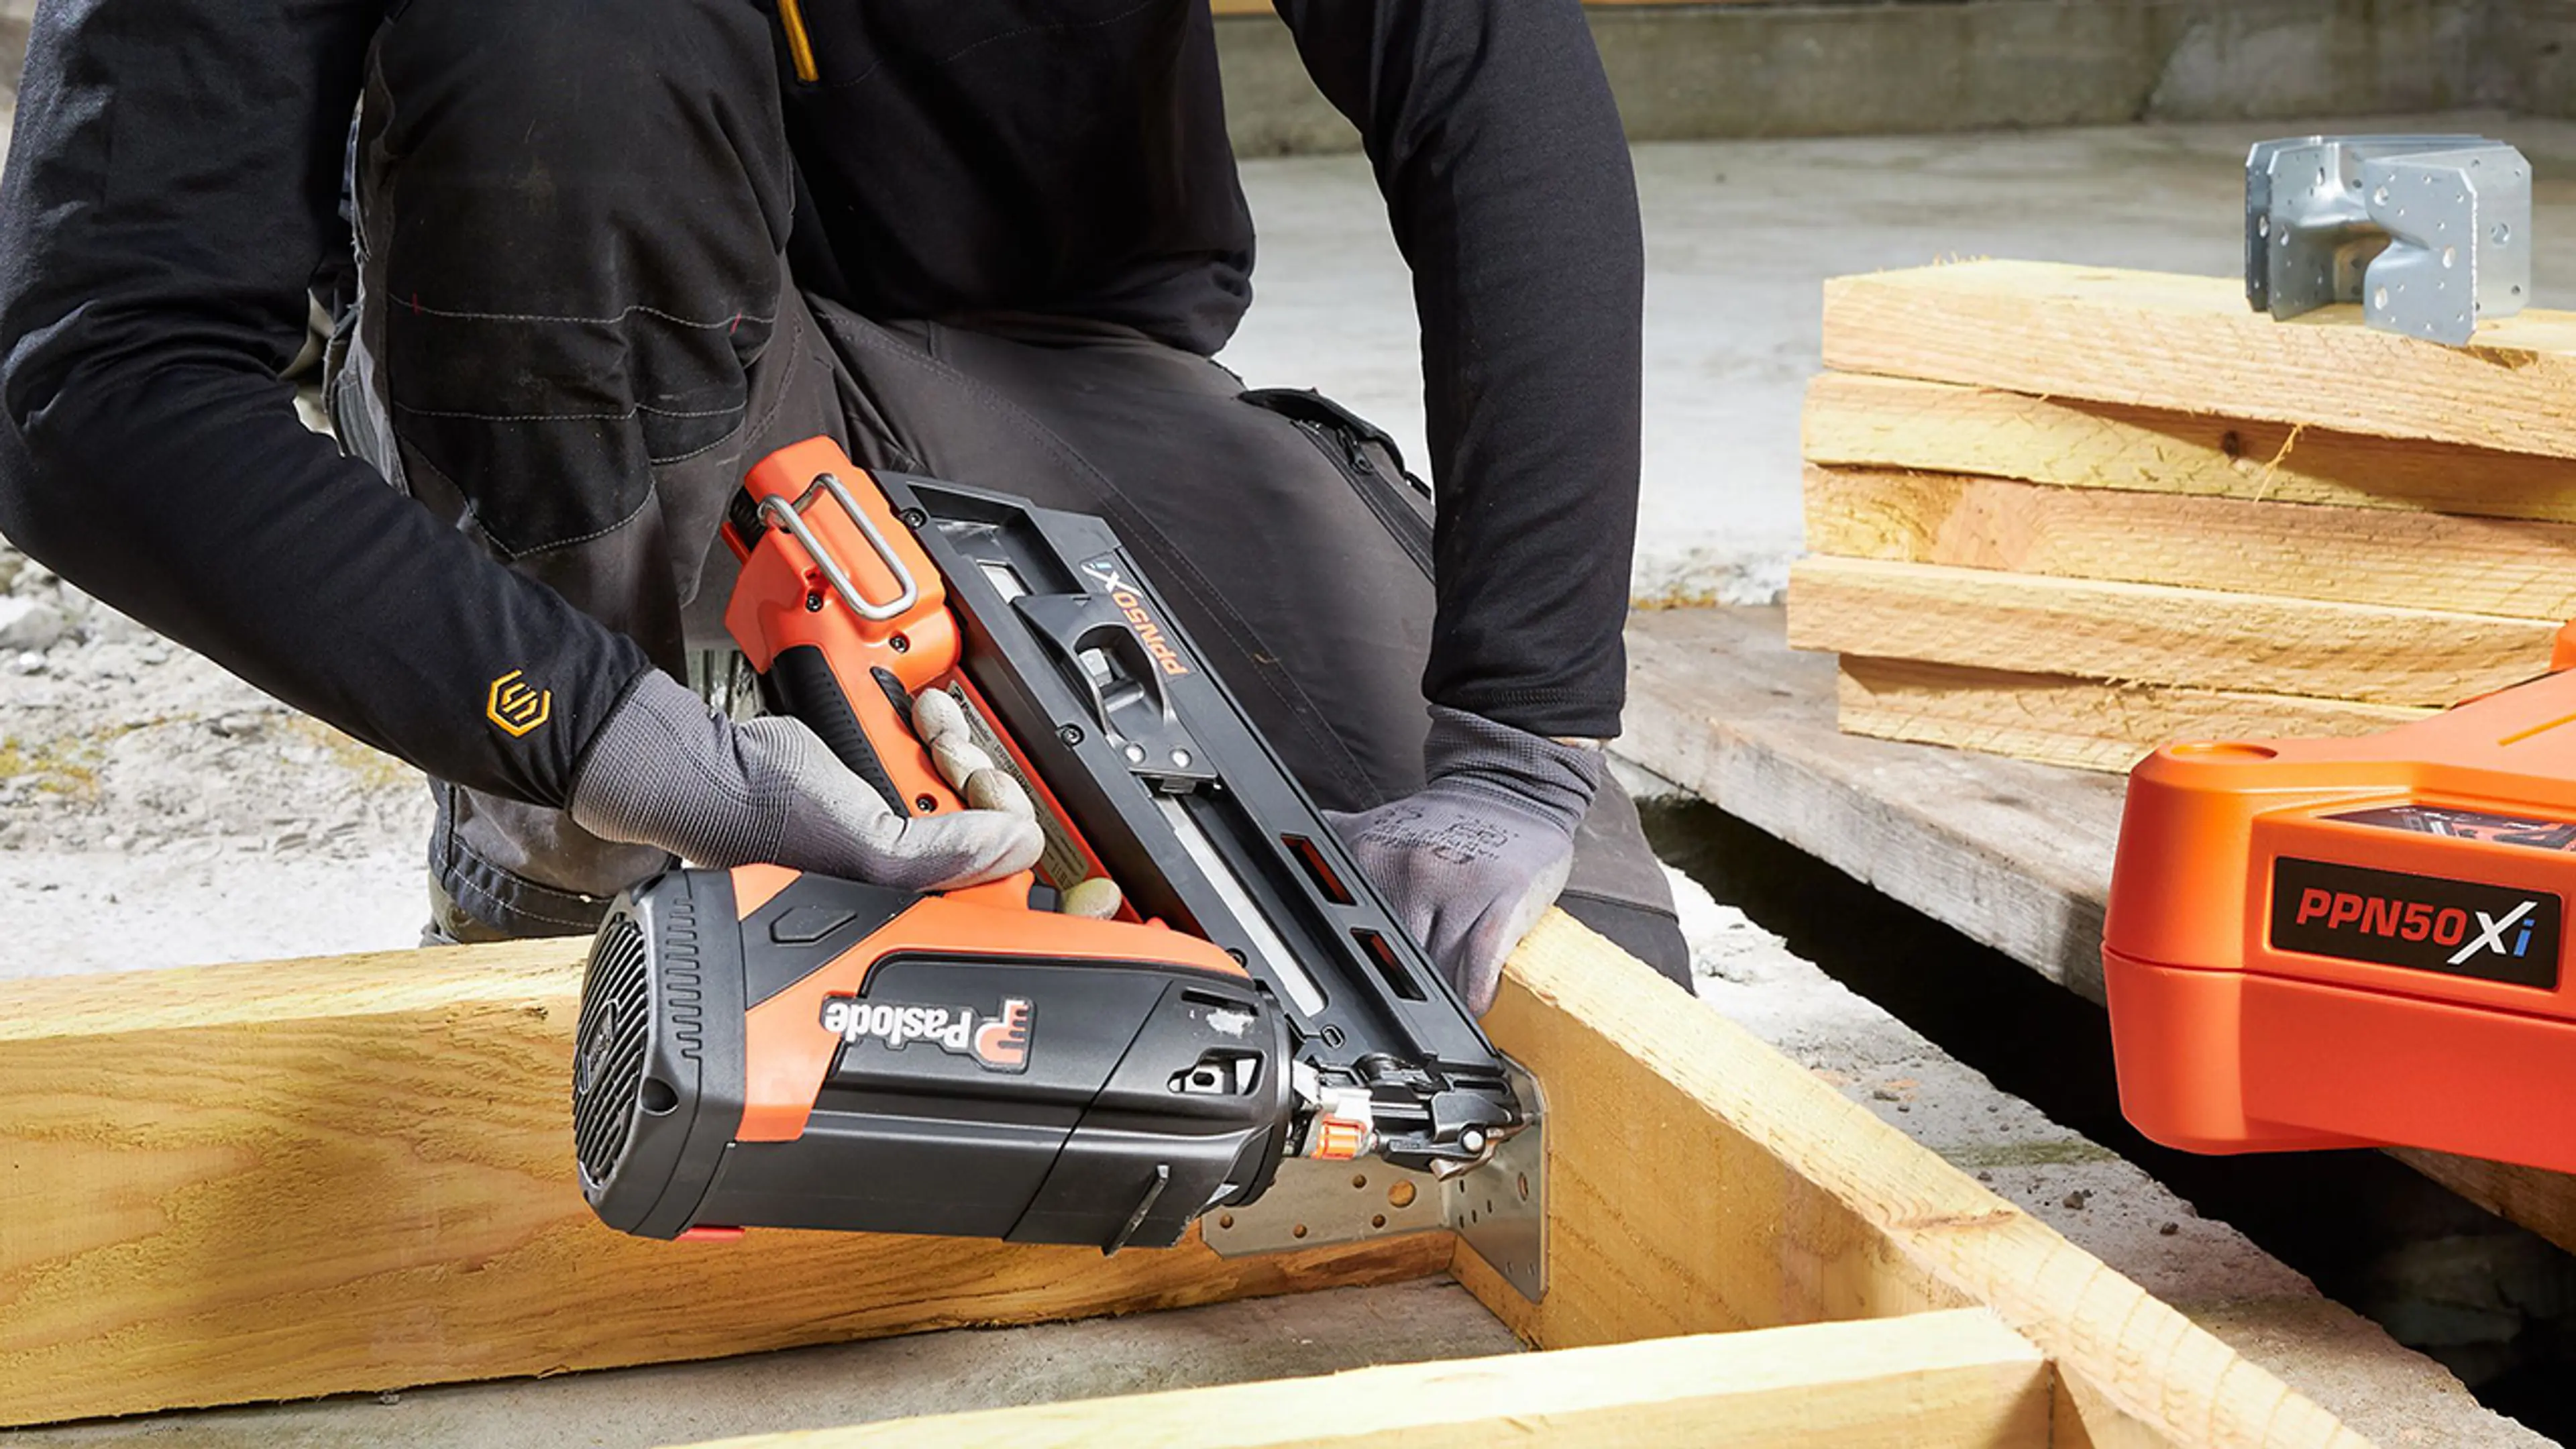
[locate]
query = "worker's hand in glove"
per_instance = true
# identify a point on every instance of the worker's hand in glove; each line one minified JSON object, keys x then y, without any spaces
{"x":1472,"y":861}
{"x":667,"y":770}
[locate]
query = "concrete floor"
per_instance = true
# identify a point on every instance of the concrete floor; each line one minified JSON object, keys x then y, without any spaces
{"x":1740,"y":237}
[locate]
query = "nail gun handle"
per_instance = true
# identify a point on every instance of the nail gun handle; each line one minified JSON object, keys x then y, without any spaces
{"x":843,"y":614}
{"x":847,"y":620}
{"x":803,"y":687}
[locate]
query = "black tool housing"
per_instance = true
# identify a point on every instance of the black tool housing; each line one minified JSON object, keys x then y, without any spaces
{"x":1153,"y":1094}
{"x":1192,"y":813}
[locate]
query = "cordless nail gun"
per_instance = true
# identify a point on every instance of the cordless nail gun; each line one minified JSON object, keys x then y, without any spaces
{"x":2355,"y":942}
{"x":762,"y":1048}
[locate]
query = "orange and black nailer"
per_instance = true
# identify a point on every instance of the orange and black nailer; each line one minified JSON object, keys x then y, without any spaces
{"x":2355,"y":942}
{"x":760,"y":1048}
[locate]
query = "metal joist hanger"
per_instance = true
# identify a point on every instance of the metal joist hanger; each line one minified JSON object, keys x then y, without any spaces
{"x":2430,"y":234}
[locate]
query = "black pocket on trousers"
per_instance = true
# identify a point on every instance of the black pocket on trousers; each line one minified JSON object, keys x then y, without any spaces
{"x":1366,"y":457}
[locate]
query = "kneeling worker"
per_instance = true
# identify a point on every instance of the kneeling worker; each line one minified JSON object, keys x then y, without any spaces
{"x":609,"y":256}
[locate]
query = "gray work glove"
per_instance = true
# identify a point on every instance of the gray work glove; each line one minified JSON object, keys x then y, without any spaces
{"x":667,"y":770}
{"x":1472,"y":861}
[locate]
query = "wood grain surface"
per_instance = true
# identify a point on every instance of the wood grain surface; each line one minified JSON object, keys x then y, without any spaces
{"x":2150,"y":634}
{"x":237,"y":1183}
{"x":1887,"y":422}
{"x":2517,"y":568}
{"x":2080,"y":723}
{"x":1700,"y":1181}
{"x":1956,"y":1380}
{"x":2190,"y":344}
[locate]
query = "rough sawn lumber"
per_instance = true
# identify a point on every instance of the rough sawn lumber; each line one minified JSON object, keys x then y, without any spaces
{"x":1699,"y":1181}
{"x":1957,"y":1380}
{"x":235,"y":1183}
{"x":2079,"y":723}
{"x":2150,"y":634}
{"x":281,"y":1180}
{"x":2190,"y":344}
{"x":2515,"y":568}
{"x":1856,"y":420}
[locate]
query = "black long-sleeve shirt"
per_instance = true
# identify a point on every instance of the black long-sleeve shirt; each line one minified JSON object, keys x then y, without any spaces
{"x":174,"y":184}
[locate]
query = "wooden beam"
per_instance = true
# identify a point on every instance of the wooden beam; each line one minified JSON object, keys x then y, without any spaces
{"x":2510,"y":567}
{"x":2544,"y":1202}
{"x":255,"y":1182}
{"x":2144,"y":633}
{"x":2190,"y":344}
{"x":1887,"y":422}
{"x":2011,"y":854}
{"x":282,"y":1180}
{"x":1699,"y":1181}
{"x":1940,"y":1380}
{"x":2083,"y":724}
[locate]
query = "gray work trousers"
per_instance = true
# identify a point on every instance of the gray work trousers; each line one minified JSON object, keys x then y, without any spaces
{"x":576,"y":332}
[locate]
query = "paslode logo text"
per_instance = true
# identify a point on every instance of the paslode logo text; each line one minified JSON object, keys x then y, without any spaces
{"x":998,"y":1043}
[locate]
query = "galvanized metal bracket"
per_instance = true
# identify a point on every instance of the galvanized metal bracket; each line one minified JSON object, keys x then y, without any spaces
{"x":1499,"y":1209}
{"x":2430,"y":234}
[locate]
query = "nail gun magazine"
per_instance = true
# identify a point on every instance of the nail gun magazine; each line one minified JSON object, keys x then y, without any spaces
{"x":760,"y":1048}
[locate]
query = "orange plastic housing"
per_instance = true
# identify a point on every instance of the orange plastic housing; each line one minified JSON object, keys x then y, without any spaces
{"x":788,"y":1052}
{"x":2337,"y":943}
{"x":783,"y":599}
{"x":769,"y":609}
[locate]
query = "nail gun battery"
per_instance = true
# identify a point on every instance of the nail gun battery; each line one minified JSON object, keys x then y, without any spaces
{"x":810,"y":1053}
{"x":2354,"y":942}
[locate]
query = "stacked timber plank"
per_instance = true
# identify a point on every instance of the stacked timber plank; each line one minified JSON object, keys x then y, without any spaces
{"x":2071,"y":514}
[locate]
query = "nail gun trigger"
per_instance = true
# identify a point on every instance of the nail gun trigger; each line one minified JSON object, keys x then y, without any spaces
{"x":894,"y":692}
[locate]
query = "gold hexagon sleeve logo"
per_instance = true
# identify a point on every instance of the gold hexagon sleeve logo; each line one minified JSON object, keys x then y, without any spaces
{"x":516,"y":706}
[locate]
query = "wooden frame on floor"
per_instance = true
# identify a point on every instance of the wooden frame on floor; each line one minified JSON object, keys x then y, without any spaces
{"x":254,"y":1182}
{"x":1956,"y":1378}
